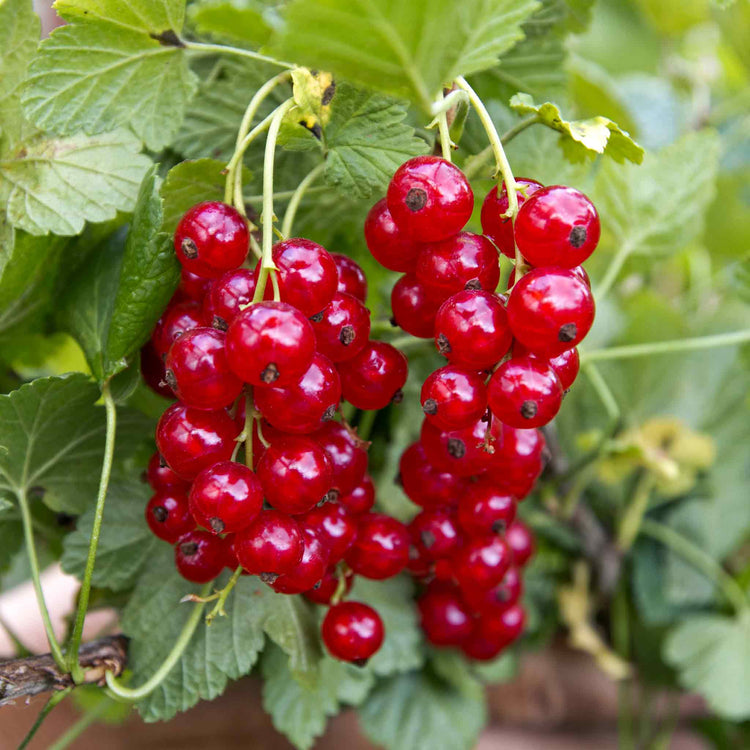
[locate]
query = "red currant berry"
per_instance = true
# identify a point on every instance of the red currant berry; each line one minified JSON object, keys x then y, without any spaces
{"x":361,"y":499}
{"x":323,"y":591}
{"x":557,"y":226}
{"x":161,"y":477}
{"x":566,"y":365}
{"x":517,"y":461}
{"x":193,"y":287}
{"x":335,"y":526}
{"x":381,"y":549}
{"x":498,"y":598}
{"x":387,"y":243}
{"x":307,"y":274}
{"x":352,"y":278}
{"x":578,"y":271}
{"x":429,"y":198}
{"x":304,"y":405}
{"x":521,"y":542}
{"x":168,"y":515}
{"x":453,"y":398}
{"x":295,"y":473}
{"x":462,"y":452}
{"x":347,"y":455}
{"x":412,"y":309}
{"x":471,"y":330}
{"x":342,"y":329}
{"x":525,"y":392}
{"x":200,"y":556}
{"x":197,"y":370}
{"x":374,"y":377}
{"x":435,"y":533}
{"x":494,"y":632}
{"x":270,"y":546}
{"x":227,"y":296}
{"x":498,"y":228}
{"x":445,"y":618}
{"x":485,"y":510}
{"x":191,"y":440}
{"x":270,"y":343}
{"x":550,"y":310}
{"x":482,"y":562}
{"x":309,"y":570}
{"x":424,"y":484}
{"x":352,"y":632}
{"x":226,"y":497}
{"x":464,"y":261}
{"x":177,"y":319}
{"x":153,"y":372}
{"x":211,"y":238}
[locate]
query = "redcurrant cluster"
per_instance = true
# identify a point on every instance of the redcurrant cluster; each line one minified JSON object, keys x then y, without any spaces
{"x":269,"y":367}
{"x":511,"y":358}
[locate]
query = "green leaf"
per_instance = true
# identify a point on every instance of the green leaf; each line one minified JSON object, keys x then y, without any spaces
{"x":114,"y":64}
{"x":582,"y":138}
{"x":238,"y":20}
{"x":126,"y":543}
{"x":52,"y":441}
{"x":408,"y":49}
{"x":57,"y":184}
{"x":11,"y":540}
{"x":302,"y":714}
{"x":425,"y":710}
{"x":501,"y":669}
{"x":366,"y":140}
{"x":711,"y":654}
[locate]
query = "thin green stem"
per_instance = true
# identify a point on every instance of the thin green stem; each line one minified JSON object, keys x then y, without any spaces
{"x":28,"y":533}
{"x":667,"y":347}
{"x":248,"y":431}
{"x":136,"y":694}
{"x":210,"y":49}
{"x":221,"y":600}
{"x":366,"y":421}
{"x":54,"y":699}
{"x":296,"y":199}
{"x":478,"y":161}
{"x":699,"y":559}
{"x":83,"y":723}
{"x":406,"y":342}
{"x":234,"y":167}
{"x":632,"y":518}
{"x":444,"y":131}
{"x":603,"y":391}
{"x":613,"y":270}
{"x":83,"y":597}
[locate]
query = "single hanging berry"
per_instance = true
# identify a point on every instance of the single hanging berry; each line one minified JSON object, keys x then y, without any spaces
{"x":200,"y":556}
{"x":494,"y":632}
{"x":323,"y":591}
{"x":381,"y":549}
{"x":153,"y":372}
{"x":413,"y":310}
{"x":309,"y":570}
{"x":435,"y":533}
{"x":352,"y":632}
{"x":374,"y":377}
{"x":387,"y":243}
{"x":445,"y":618}
{"x":270,"y":546}
{"x":342,"y":328}
{"x":361,"y":499}
{"x":177,"y":319}
{"x":521,"y":542}
{"x":336,"y":527}
{"x":168,"y":514}
{"x":227,"y":296}
{"x":424,"y":484}
{"x":453,"y":398}
{"x":161,"y":477}
{"x":498,"y":228}
{"x":463,"y":452}
{"x":485,"y":509}
{"x":347,"y":454}
{"x":482,"y":562}
{"x":498,"y":598}
{"x":352,"y":279}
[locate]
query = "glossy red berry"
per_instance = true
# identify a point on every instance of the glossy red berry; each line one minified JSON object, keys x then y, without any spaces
{"x":435,"y":533}
{"x":305,"y":404}
{"x":445,"y":618}
{"x":461,"y":452}
{"x":352,"y":278}
{"x":494,"y":225}
{"x":464,"y":261}
{"x":361,"y":499}
{"x":335,"y":526}
{"x":550,"y":310}
{"x":517,"y":461}
{"x":295,"y":473}
{"x":429,"y":199}
{"x":161,"y":477}
{"x":211,"y":238}
{"x":226,"y":297}
{"x":412,"y":309}
{"x":153,"y":372}
{"x":453,"y":398}
{"x":482,"y":562}
{"x":471,"y":330}
{"x":193,"y":287}
{"x":226,"y":497}
{"x":191,"y":440}
{"x":566,"y":365}
{"x":323,"y":591}
{"x":525,"y":392}
{"x":557,"y":226}
{"x":309,"y":570}
{"x":270,"y":343}
{"x":198,"y":372}
{"x":270,"y":546}
{"x":388,"y":244}
{"x":521,"y":542}
{"x":200,"y":556}
{"x":347,"y":455}
{"x":307,"y":274}
{"x":168,"y":515}
{"x":494,"y":632}
{"x":492,"y":601}
{"x":177,"y":319}
{"x":426,"y":485}
{"x":342,"y":328}
{"x":381,"y":549}
{"x":484,"y":509}
{"x":352,"y":632}
{"x":374,"y":377}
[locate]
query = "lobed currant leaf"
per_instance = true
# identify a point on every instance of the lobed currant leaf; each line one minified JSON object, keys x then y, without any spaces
{"x":230,"y":19}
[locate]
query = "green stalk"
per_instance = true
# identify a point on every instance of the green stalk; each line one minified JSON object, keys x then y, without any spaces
{"x":296,"y":199}
{"x":477,"y":161}
{"x":613,"y":270}
{"x":210,"y":49}
{"x":83,"y":597}
{"x":218,"y":609}
{"x":54,"y":699}
{"x":603,"y":391}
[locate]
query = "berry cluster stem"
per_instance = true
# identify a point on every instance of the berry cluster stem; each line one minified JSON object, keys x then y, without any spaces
{"x":222,"y":49}
{"x":444,"y":130}
{"x":221,"y":600}
{"x":296,"y":199}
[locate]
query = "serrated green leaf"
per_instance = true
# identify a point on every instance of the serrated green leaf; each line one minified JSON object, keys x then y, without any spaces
{"x":302,"y":714}
{"x":126,"y":543}
{"x":366,"y":140}
{"x":116,"y":63}
{"x":238,"y":20}
{"x":582,"y":138}
{"x":57,"y":184}
{"x":711,"y":654}
{"x":407,"y":49}
{"x":52,"y":440}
